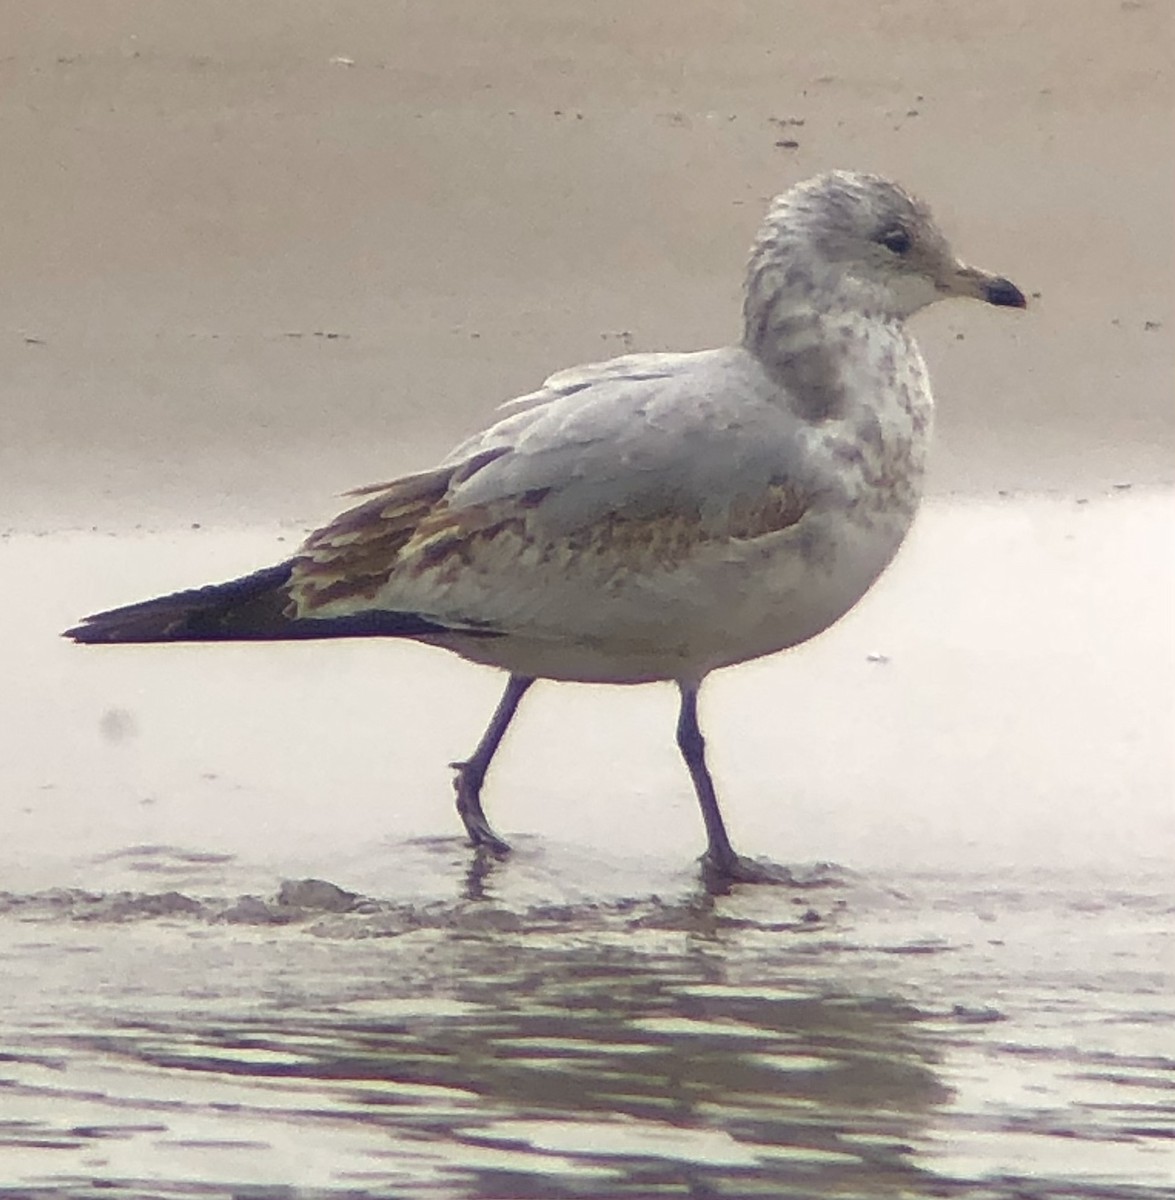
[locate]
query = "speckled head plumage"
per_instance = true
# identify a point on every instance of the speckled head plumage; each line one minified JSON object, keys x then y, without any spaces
{"x":860,"y":242}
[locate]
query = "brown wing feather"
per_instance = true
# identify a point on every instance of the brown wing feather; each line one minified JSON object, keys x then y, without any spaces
{"x":408,"y":526}
{"x":354,"y":554}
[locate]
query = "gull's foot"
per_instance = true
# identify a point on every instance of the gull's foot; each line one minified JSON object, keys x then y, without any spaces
{"x":483,"y":837}
{"x":467,"y":785}
{"x":721,"y":872}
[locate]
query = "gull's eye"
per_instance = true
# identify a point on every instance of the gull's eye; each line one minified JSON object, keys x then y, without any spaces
{"x":896,"y":239}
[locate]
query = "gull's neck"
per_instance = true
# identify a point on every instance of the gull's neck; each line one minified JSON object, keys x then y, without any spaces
{"x":801,"y":319}
{"x":809,"y":331}
{"x":785,"y":291}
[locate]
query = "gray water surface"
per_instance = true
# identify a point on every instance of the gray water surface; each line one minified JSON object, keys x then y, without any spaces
{"x":990,"y":1036}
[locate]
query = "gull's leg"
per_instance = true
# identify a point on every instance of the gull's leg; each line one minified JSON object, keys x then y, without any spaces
{"x":720,"y":855}
{"x":720,"y":861}
{"x":472,"y":772}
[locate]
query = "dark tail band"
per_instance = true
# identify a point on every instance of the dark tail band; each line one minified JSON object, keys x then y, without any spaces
{"x":253,"y":608}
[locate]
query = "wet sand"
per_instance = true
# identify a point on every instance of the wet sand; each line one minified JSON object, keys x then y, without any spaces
{"x":255,"y":257}
{"x":242,"y":943}
{"x":1003,"y":698}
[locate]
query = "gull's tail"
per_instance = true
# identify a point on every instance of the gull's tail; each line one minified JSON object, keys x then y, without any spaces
{"x":256,"y":607}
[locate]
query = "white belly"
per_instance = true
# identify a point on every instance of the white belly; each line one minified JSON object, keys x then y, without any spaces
{"x":727,"y":605}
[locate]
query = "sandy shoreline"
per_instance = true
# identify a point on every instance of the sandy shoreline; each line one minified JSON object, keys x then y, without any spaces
{"x":242,"y":275}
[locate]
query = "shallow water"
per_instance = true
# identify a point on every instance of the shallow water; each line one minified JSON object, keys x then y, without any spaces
{"x":962,"y":1036}
{"x":982,"y":1006}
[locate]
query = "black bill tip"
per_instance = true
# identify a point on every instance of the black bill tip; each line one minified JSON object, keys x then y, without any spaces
{"x":1004,"y":293}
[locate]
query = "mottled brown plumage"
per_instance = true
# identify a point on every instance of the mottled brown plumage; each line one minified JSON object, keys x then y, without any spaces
{"x":410,"y":529}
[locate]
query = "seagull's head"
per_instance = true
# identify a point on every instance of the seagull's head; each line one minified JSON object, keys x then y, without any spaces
{"x":864,"y":241}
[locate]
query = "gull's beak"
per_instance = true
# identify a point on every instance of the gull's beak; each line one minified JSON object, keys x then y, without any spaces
{"x":979,"y":285}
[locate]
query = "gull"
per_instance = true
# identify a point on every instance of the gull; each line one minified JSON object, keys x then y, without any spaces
{"x":654,"y":517}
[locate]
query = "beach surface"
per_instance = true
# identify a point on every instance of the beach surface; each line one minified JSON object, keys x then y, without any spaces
{"x":257,"y":255}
